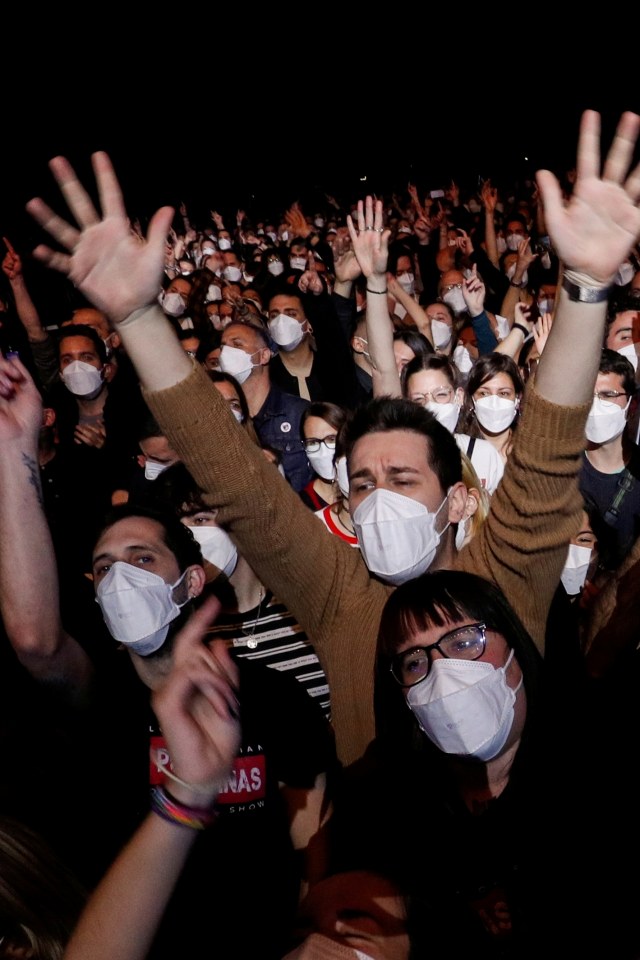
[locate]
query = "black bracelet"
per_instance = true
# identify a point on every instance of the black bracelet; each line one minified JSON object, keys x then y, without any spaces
{"x":518,"y":326}
{"x":380,"y":292}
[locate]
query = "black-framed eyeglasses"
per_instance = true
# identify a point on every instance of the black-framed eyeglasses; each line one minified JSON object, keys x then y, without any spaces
{"x":312,"y":445}
{"x":464,"y":643}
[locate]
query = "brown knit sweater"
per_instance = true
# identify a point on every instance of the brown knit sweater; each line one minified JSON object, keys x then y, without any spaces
{"x":324,"y":581}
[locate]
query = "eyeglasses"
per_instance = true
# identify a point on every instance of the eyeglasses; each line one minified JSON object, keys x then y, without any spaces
{"x":609,"y":395}
{"x":312,"y":445}
{"x":439,"y":395}
{"x":452,"y":286}
{"x":465,"y":643}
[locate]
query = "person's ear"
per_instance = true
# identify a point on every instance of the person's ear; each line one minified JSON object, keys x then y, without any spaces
{"x":264,"y":356}
{"x":195,"y":580}
{"x":458,"y":396}
{"x":457,"y":502}
{"x":108,"y":371}
{"x":473,"y":502}
{"x":48,"y":416}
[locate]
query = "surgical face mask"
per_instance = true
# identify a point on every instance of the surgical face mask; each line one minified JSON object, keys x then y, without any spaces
{"x":625,"y":274}
{"x":298,"y":263}
{"x":465,"y":707}
{"x":173,"y":304}
{"x":545,"y":261}
{"x":445,"y":413}
{"x":247,"y":277}
{"x":275,"y":267}
{"x":546,"y":304}
{"x":232,"y":273}
{"x":272,"y":235}
{"x":503,"y":327}
{"x":630,"y":353}
{"x":408,"y":282}
{"x":284,"y":236}
{"x":237,"y":362}
{"x":286,"y":331}
{"x":575,"y":568}
{"x":224,"y":243}
{"x":82,"y":379}
{"x":217,"y":547}
{"x":606,"y":420}
{"x":153,"y":469}
{"x":214,"y":293}
{"x":322,"y":463}
{"x":137,"y":606}
{"x":397,"y":535}
{"x":511,"y":272}
{"x":319,"y":222}
{"x":495,"y":414}
{"x":208,"y":250}
{"x":455,"y":299}
{"x":441,"y":333}
{"x":462,"y":359}
{"x":513,"y":241}
{"x":501,"y":244}
{"x":342,"y":476}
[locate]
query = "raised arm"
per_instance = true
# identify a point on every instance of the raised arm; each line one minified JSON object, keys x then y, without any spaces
{"x":25,"y":307}
{"x":197,"y":710}
{"x":28,"y":574}
{"x":370,"y":243}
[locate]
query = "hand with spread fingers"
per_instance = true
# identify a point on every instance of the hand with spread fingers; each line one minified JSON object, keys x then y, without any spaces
{"x":116,"y":270}
{"x":370,"y":241}
{"x":594,"y":232}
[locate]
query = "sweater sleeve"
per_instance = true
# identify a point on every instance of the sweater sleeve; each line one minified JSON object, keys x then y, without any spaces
{"x":534,"y":512}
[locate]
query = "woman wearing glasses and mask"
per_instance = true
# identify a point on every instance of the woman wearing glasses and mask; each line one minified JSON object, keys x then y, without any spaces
{"x":482,"y":792}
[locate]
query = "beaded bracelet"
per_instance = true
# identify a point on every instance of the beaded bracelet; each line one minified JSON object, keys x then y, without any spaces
{"x":167,"y":807}
{"x":379,"y":292}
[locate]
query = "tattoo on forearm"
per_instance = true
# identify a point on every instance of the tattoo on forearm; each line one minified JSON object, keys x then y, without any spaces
{"x":34,"y":475}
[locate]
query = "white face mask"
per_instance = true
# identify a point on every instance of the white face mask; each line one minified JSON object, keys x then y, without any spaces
{"x":286,"y":331}
{"x":501,"y":244}
{"x":503,"y":327}
{"x":441,"y":333}
{"x":237,"y":362}
{"x":137,"y":607}
{"x":82,"y":379}
{"x":512,"y":271}
{"x":319,"y":222}
{"x":224,"y":243}
{"x":408,"y":283}
{"x":465,"y":707}
{"x":397,"y":535}
{"x":232,"y":273}
{"x":342,"y":476}
{"x":445,"y":413}
{"x":462,"y":359}
{"x":173,"y":304}
{"x":625,"y":274}
{"x":630,"y":353}
{"x":153,"y":469}
{"x":495,"y":414}
{"x":217,"y":547}
{"x":275,"y":267}
{"x":298,"y":263}
{"x":214,"y":293}
{"x":575,"y":569}
{"x":207,"y":251}
{"x":455,"y":299}
{"x":546,"y":305}
{"x":322,"y":463}
{"x":513,"y":241}
{"x":606,"y":420}
{"x":461,"y":533}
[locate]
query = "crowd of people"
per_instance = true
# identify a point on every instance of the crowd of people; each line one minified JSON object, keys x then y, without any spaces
{"x":322,"y":532}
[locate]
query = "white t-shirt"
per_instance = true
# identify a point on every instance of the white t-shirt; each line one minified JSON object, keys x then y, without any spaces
{"x":485,"y":459}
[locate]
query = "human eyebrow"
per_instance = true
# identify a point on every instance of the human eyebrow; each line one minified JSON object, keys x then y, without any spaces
{"x":395,"y":470}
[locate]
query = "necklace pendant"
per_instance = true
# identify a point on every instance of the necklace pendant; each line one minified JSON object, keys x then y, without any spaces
{"x":252,"y":644}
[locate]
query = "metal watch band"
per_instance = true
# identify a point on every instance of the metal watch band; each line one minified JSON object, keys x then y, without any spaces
{"x":585,"y":294}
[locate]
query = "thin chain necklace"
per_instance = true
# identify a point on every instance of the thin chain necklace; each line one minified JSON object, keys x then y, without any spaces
{"x":252,"y":641}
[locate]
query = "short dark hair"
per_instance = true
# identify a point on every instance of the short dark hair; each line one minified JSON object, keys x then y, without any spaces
{"x":389,"y":413}
{"x":82,"y":330}
{"x":176,"y":535}
{"x":334,"y":415}
{"x":613,"y":362}
{"x":219,"y":376}
{"x":415,"y":340}
{"x":432,"y":361}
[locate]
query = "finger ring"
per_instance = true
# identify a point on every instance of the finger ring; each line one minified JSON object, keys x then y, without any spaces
{"x":368,"y":228}
{"x":379,"y":229}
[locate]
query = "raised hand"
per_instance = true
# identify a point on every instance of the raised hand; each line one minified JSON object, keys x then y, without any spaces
{"x":197,"y":707}
{"x":489,"y":196}
{"x":370,"y":242}
{"x":310,"y":281}
{"x":541,"y":330}
{"x":473,"y":291}
{"x":345,"y":262}
{"x":594,"y":232}
{"x":217,"y":219}
{"x":116,"y":270}
{"x":522,"y":315}
{"x":20,"y":403}
{"x":296,"y":223}
{"x":525,"y":257}
{"x":11,"y":263}
{"x":464,"y":243}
